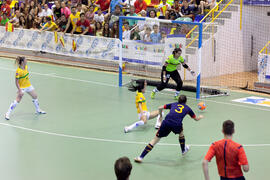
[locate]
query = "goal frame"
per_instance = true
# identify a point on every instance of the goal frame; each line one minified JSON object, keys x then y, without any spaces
{"x":199,"y":54}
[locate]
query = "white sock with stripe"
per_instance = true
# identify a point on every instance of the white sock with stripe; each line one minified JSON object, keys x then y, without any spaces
{"x":135,"y":125}
{"x":35,"y":101}
{"x":12,"y":106}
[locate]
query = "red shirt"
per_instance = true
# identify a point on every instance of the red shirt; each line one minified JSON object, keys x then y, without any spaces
{"x":5,"y":9}
{"x":229,"y":157}
{"x":139,"y":6}
{"x":83,"y":25}
{"x":104,"y":4}
{"x":176,"y":8}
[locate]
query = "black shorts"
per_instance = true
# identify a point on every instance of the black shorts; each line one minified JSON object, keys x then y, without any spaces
{"x":239,"y":178}
{"x":166,"y":128}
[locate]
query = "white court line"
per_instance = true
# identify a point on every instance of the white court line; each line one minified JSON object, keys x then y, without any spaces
{"x":111,"y":85}
{"x":61,"y":77}
{"x":112,"y":140}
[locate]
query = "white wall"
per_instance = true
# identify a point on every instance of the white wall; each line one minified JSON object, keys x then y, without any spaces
{"x":233,"y":46}
{"x":256,"y":23}
{"x":229,"y":51}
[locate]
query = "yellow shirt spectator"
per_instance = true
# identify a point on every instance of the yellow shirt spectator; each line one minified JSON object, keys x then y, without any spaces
{"x":74,"y":19}
{"x":50,"y":26}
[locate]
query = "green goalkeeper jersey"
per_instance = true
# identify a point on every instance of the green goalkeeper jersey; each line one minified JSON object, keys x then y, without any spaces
{"x":173,"y":63}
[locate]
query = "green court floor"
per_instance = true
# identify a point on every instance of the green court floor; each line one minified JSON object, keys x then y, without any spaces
{"x":82,"y":134}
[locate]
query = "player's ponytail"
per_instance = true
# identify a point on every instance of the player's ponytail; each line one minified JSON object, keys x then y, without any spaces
{"x":19,"y":60}
{"x":136,"y":85}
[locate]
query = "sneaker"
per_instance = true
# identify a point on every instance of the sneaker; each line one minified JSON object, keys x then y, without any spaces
{"x":153,"y":95}
{"x":7,"y":116}
{"x":126,"y":130}
{"x":40,"y":112}
{"x":186,"y":150}
{"x":138,"y":159}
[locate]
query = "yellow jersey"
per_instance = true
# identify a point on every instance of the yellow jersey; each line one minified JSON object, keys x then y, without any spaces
{"x":53,"y":26}
{"x":23,"y":76}
{"x":74,"y":19}
{"x":140,"y":99}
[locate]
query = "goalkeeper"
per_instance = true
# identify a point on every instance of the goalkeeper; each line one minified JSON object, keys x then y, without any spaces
{"x":169,"y":70}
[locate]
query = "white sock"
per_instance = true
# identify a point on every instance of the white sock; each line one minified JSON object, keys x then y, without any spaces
{"x":177,"y":93}
{"x":35,"y":101}
{"x":158,"y":118}
{"x":12,"y":106}
{"x":136,"y":124}
{"x":155,"y":90}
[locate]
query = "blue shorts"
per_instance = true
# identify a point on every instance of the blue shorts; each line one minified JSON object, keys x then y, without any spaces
{"x":166,"y":128}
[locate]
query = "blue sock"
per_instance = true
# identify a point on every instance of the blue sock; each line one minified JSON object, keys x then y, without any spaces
{"x":146,"y":150}
{"x":182,"y":143}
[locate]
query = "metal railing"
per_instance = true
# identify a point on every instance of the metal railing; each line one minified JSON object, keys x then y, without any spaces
{"x":213,"y":19}
{"x":265,"y":48}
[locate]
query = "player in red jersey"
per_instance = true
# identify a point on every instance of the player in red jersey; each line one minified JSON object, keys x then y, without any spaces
{"x":230,"y":156}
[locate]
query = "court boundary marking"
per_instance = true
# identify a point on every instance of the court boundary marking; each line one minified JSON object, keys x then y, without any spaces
{"x":112,"y":140}
{"x":111,"y":85}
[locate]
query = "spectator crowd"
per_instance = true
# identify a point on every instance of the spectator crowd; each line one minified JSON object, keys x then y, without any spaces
{"x":101,"y":17}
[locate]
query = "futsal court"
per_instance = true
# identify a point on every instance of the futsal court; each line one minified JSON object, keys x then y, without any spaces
{"x":82,"y":134}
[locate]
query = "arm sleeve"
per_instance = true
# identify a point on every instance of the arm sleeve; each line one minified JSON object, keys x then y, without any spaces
{"x":55,"y":26}
{"x":182,"y":60}
{"x":167,"y":106}
{"x":140,"y":100}
{"x":136,"y":6}
{"x":17,"y":76}
{"x":242,"y":156}
{"x":87,"y":24}
{"x":168,"y":60}
{"x":46,"y":25}
{"x":144,"y":5}
{"x":210,"y":154}
{"x":191,"y":113}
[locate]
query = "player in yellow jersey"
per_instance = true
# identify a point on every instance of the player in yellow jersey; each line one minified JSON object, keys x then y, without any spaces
{"x":23,"y":84}
{"x":143,"y":113}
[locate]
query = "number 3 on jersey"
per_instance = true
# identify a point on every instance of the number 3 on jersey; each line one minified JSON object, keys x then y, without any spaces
{"x":179,"y":108}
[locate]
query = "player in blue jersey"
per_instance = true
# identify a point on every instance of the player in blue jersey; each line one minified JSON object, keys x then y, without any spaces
{"x":172,"y":123}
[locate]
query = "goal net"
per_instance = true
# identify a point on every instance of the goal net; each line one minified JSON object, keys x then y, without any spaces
{"x":146,"y":44}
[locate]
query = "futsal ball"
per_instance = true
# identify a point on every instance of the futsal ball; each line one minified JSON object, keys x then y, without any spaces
{"x":201,"y":106}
